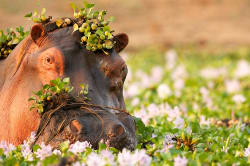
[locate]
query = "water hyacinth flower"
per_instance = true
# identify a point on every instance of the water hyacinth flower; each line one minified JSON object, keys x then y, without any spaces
{"x":44,"y":151}
{"x":7,"y":148}
{"x":206,"y":98}
{"x":78,"y":164}
{"x":232,"y":86}
{"x":138,"y":158}
{"x":131,"y":90}
{"x":189,"y":130}
{"x":102,"y":159}
{"x":135,"y":101}
{"x":242,"y":69}
{"x":179,"y":73}
{"x":156,"y":74}
{"x":242,"y":126}
{"x":26,"y":151}
{"x":179,"y":84}
{"x":163,"y":91}
{"x":179,"y":123}
{"x":95,"y":159}
{"x":173,"y":113}
{"x":247,"y":152}
{"x":210,"y":84}
{"x":143,"y":114}
{"x":170,"y":57}
{"x":180,"y":161}
{"x":145,"y":80}
{"x":57,"y":152}
{"x":124,"y":158}
{"x":169,"y":139}
{"x":154,"y":110}
{"x":224,"y":149}
{"x":203,"y":121}
{"x":79,"y":147}
{"x":239,"y":99}
{"x":213,"y":73}
{"x":108,"y":157}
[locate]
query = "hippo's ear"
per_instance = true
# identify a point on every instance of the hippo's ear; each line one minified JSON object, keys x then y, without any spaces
{"x":37,"y":33}
{"x":121,"y":41}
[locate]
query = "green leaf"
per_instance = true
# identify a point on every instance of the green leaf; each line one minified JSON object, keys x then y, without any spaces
{"x":14,"y":41}
{"x":75,"y":27}
{"x":59,"y":22}
{"x":39,"y":93}
{"x":43,"y":11}
{"x":46,"y":86}
{"x":64,"y":146}
{"x":32,"y":98}
{"x":54,"y":82}
{"x":28,"y":15}
{"x":53,"y":89}
{"x":99,"y":32}
{"x":35,"y":13}
{"x":111,"y":19}
{"x":66,"y":80}
{"x":35,"y":148}
{"x":106,"y":28}
{"x":73,"y":5}
{"x":82,"y":86}
{"x":36,"y":20}
{"x":88,"y":5}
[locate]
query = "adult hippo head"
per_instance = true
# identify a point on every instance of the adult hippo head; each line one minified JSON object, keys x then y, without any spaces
{"x":48,"y":54}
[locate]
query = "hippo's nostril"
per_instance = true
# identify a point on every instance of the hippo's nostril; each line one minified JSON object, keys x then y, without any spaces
{"x":116,"y":131}
{"x":75,"y":126}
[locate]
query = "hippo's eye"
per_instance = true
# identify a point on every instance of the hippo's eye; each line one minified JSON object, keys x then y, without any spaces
{"x":124,"y":69}
{"x":48,"y":60}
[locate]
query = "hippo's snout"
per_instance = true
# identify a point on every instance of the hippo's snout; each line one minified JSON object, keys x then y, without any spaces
{"x":116,"y":131}
{"x":112,"y":132}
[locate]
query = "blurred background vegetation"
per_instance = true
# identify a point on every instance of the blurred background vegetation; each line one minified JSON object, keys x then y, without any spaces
{"x":205,"y":24}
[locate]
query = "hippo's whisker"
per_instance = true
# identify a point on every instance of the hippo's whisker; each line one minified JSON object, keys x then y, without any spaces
{"x":62,"y":125}
{"x":98,"y":116}
{"x":44,"y":125}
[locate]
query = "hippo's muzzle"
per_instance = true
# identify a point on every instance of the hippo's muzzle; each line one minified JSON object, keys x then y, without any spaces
{"x":78,"y":121}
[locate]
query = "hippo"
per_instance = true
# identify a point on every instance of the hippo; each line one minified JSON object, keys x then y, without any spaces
{"x":47,"y":54}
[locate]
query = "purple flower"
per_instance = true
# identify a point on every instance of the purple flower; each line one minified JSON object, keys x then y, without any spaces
{"x":171,"y":58}
{"x":95,"y":159}
{"x":180,"y":161}
{"x":163,"y":91}
{"x":108,"y":156}
{"x":7,"y":148}
{"x":57,"y":152}
{"x":239,"y":98}
{"x":232,"y":86}
{"x":79,"y":147}
{"x":44,"y":151}
{"x":32,"y":137}
{"x":203,"y":121}
{"x":169,"y":139}
{"x":243,"y":69}
{"x":179,"y":123}
{"x":125,"y":158}
{"x":78,"y":164}
{"x":247,"y":152}
{"x":139,"y":158}
{"x":142,"y":158}
{"x":26,"y":151}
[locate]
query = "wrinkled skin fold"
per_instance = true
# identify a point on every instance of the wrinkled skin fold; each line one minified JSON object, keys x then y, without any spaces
{"x":46,"y":55}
